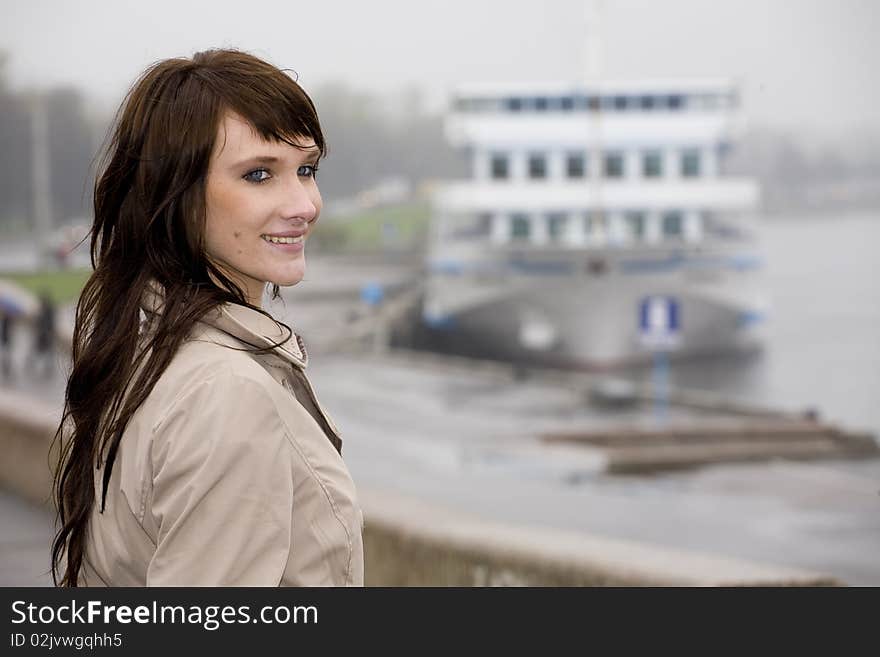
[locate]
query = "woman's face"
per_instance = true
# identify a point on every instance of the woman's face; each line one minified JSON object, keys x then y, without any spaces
{"x":262,"y":202}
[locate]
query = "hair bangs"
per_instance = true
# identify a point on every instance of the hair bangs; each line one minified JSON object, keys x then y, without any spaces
{"x":279,"y":110}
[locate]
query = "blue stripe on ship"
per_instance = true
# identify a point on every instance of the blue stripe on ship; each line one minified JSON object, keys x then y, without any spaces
{"x":739,"y":263}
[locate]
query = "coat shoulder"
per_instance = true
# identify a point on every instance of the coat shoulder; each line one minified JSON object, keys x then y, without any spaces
{"x":204,"y":360}
{"x":213,"y":354}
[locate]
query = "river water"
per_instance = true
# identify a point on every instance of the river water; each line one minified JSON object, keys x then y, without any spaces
{"x":823,"y":345}
{"x":823,"y":274}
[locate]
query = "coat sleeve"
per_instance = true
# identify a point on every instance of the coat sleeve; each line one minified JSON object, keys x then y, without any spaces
{"x":222,"y":488}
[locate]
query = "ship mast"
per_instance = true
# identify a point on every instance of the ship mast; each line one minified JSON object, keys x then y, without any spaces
{"x":594,"y":44}
{"x":593,"y":69}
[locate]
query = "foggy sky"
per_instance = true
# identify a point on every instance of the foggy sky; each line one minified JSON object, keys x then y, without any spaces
{"x":806,"y":65}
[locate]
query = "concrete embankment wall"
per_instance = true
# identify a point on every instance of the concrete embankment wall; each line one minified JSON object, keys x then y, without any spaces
{"x":26,"y":430}
{"x":410,"y":543}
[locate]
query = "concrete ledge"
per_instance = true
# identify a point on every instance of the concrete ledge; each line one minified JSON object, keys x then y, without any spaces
{"x":410,"y":543}
{"x":26,"y":430}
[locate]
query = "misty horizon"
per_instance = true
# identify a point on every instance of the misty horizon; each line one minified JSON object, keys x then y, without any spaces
{"x":807,"y":71}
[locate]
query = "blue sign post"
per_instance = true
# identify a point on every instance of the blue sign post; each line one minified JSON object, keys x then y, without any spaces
{"x":660,"y":331}
{"x":372,"y":293}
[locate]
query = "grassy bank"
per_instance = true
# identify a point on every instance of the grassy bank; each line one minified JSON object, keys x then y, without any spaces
{"x":398,"y":227}
{"x":63,"y":286}
{"x":402,"y":226}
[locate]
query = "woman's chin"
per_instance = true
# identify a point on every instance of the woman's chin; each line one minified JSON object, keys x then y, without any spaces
{"x":289,"y":278}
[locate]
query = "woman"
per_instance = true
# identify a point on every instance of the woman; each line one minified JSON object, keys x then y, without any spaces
{"x":194,"y":451}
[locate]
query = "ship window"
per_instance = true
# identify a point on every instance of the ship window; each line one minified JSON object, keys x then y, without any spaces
{"x":646,"y":102}
{"x":483,"y":227}
{"x":589,"y":224}
{"x":576,"y":165}
{"x":593,"y":103}
{"x":537,"y":166}
{"x":723,"y":226}
{"x":473,"y":226}
{"x":567,"y":103}
{"x":724,"y":153}
{"x":676,"y":102}
{"x":620,"y":102}
{"x":520,"y":227}
{"x":514,"y":104}
{"x":556,"y":225}
{"x":635,"y":223}
{"x":614,"y":165}
{"x":499,"y":167}
{"x":555,"y":104}
{"x":690,"y":163}
{"x":594,"y":225}
{"x":541,"y":104}
{"x":652,"y":164}
{"x":673,"y":224}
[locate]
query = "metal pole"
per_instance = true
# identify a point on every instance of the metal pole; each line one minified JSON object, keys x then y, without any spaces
{"x":661,"y":386}
{"x":41,"y":203}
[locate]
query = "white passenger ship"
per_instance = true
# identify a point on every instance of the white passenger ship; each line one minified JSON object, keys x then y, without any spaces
{"x":583,"y":201}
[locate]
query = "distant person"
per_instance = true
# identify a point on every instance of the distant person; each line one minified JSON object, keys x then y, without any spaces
{"x":6,"y":328}
{"x":43,"y":352}
{"x":62,"y":255}
{"x":215,"y":463}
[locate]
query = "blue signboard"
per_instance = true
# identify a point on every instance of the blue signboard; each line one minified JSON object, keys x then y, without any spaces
{"x":660,"y":331}
{"x":372,"y":293}
{"x":659,"y":322}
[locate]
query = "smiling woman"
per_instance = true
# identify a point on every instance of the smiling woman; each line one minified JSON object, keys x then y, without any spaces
{"x":193,"y":448}
{"x":262,"y":200}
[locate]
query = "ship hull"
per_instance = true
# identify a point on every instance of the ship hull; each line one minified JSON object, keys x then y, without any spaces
{"x":587,"y":314}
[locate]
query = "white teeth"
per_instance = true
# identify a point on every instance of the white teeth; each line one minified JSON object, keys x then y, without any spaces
{"x":283,"y":240}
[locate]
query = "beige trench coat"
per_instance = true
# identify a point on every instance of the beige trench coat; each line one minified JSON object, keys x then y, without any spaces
{"x":227,"y":475}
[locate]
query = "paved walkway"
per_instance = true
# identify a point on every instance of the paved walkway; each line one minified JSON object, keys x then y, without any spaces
{"x":466,"y":441}
{"x":25,"y":540}
{"x":26,"y":530}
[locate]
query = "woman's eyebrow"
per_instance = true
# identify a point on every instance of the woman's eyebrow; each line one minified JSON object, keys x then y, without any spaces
{"x":310,"y":153}
{"x":257,"y":159}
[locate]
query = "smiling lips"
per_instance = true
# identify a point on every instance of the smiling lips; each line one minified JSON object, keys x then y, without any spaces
{"x":286,"y":239}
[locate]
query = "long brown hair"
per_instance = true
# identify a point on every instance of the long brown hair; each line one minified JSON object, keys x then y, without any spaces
{"x":149,"y":223}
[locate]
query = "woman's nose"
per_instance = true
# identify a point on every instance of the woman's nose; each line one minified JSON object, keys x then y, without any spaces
{"x":299,"y":203}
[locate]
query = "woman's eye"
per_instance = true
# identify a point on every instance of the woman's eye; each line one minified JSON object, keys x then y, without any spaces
{"x":307,"y":170}
{"x":257,"y":175}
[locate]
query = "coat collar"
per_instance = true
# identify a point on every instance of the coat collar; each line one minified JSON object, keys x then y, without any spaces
{"x":243,"y":323}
